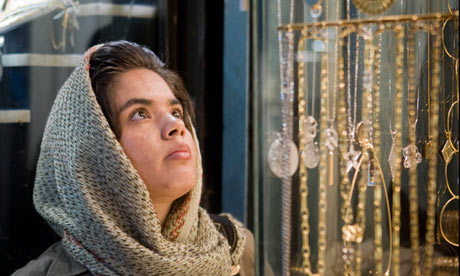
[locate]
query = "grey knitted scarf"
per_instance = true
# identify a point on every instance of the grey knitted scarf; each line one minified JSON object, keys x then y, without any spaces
{"x":88,"y":191}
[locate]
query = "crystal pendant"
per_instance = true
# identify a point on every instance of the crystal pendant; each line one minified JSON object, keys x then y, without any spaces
{"x":411,"y":156}
{"x":310,"y":128}
{"x":353,"y":158}
{"x":275,"y":157}
{"x":315,"y":11}
{"x":332,"y":139}
{"x":310,"y":155}
{"x":392,"y":160}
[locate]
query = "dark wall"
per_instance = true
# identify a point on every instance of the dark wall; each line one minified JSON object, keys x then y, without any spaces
{"x":195,"y":51}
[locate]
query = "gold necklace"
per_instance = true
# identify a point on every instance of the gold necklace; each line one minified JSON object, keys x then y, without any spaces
{"x":305,"y":226}
{"x":449,"y":149}
{"x":396,"y":212}
{"x":378,"y":253}
{"x":322,"y":190}
{"x":412,"y":165}
{"x":306,"y":264}
{"x":343,"y":147}
{"x":364,"y":138}
{"x":432,"y":150}
{"x":332,"y":137}
{"x":352,"y":155}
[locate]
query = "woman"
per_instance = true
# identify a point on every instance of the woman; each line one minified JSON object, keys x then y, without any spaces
{"x":119,"y":176}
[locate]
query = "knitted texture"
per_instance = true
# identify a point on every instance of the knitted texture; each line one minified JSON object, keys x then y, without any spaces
{"x":88,"y":191}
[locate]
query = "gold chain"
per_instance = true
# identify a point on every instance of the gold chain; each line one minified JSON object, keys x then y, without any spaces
{"x":396,"y":214}
{"x":364,"y":138}
{"x":432,"y":151}
{"x":323,"y":176}
{"x":412,"y":111}
{"x":378,"y":253}
{"x":305,"y":226}
{"x":343,"y":147}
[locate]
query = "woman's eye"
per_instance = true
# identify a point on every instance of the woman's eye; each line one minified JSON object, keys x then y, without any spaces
{"x":139,"y":115}
{"x":177,"y":114}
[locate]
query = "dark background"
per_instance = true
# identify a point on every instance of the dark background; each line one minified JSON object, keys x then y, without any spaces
{"x":188,"y":35}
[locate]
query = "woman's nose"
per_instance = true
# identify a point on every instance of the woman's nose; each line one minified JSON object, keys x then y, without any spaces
{"x":173,"y":126}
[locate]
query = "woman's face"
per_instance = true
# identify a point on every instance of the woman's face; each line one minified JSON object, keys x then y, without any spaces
{"x":153,"y":134}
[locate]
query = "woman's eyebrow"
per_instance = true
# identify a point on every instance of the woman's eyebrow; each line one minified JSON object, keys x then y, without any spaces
{"x":134,"y":101}
{"x":174,"y":102}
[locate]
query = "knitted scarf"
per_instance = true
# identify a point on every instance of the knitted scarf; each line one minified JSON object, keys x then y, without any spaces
{"x":88,"y":191}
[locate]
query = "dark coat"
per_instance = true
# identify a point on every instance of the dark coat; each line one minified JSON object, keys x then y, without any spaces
{"x":56,"y":262}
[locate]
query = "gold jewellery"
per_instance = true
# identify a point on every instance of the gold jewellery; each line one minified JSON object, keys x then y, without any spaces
{"x":350,"y":120}
{"x":450,"y":234}
{"x":378,"y":253}
{"x":412,"y":165}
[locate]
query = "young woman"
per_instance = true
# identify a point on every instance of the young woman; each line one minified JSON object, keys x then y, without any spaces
{"x":119,"y":176}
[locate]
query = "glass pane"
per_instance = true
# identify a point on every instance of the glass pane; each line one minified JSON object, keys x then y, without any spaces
{"x":371,"y":89}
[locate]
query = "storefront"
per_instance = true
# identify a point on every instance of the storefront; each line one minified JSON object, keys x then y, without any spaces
{"x":330,"y":128}
{"x":356,"y":169}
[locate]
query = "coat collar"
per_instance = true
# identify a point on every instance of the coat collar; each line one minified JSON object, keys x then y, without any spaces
{"x":64,"y":265}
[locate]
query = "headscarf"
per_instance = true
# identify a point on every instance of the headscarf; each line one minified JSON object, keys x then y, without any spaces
{"x":89,"y":192}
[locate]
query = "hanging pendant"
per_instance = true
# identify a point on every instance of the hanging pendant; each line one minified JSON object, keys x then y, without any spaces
{"x":332,"y":139}
{"x":447,"y":151}
{"x":310,"y":155}
{"x":310,"y":129}
{"x":315,"y":11}
{"x":412,"y":157}
{"x":353,"y":158}
{"x":275,"y":157}
{"x":392,"y":157}
{"x":352,"y":233}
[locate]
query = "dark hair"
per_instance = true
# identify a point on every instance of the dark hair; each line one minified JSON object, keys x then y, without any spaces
{"x":121,"y":56}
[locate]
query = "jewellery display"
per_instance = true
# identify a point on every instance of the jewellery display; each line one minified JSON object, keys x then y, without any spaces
{"x":351,"y":93}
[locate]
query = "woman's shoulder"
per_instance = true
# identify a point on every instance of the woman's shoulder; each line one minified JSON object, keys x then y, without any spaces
{"x":54,"y":261}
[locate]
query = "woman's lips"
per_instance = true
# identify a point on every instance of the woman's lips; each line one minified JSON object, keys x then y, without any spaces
{"x":181,"y":152}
